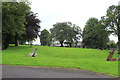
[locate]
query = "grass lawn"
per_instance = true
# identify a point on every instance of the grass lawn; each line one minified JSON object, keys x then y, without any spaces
{"x":89,"y":59}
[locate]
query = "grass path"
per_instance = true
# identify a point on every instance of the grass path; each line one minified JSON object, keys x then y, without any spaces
{"x":89,"y":59}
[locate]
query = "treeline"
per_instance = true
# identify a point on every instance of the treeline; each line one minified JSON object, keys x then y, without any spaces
{"x":64,"y":32}
{"x":94,"y":35}
{"x":19,"y":24}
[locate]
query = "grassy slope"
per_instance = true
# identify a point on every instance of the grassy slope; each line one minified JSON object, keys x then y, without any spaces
{"x":89,"y":59}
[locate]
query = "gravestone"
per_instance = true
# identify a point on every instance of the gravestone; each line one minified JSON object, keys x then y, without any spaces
{"x":33,"y":54}
{"x":111,"y":52}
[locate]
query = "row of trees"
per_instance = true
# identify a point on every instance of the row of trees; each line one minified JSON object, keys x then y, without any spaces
{"x":62,"y":32}
{"x":95,"y":33}
{"x":19,"y":24}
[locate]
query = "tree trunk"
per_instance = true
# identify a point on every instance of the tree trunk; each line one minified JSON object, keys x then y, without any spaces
{"x":5,"y":41}
{"x":70,"y":44}
{"x":61,"y":42}
{"x":31,"y":44}
{"x":118,"y":41}
{"x":118,"y":47}
{"x":6,"y":44}
{"x":16,"y":39}
{"x":118,"y":30}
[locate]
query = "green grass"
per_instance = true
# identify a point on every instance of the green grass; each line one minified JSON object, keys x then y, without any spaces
{"x":89,"y":59}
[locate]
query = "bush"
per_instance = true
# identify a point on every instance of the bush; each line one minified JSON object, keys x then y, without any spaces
{"x":112,"y":45}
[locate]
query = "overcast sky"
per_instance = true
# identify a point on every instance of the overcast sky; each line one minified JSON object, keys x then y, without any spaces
{"x":75,"y":11}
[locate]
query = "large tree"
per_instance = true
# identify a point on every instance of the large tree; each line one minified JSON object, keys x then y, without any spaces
{"x":32,"y":27}
{"x":73,"y":34}
{"x":45,"y":38}
{"x":65,"y":31}
{"x":13,"y":19}
{"x":88,"y":32}
{"x":59,"y":32}
{"x":94,"y":34}
{"x":112,"y":21}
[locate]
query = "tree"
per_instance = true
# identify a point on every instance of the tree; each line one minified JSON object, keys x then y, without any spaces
{"x":74,"y":34}
{"x":13,"y":19}
{"x":65,"y":31}
{"x":32,"y":27}
{"x":88,"y":32}
{"x":59,"y":32}
{"x":78,"y":34}
{"x":94,"y":34}
{"x":112,"y":21}
{"x":101,"y":36}
{"x":45,"y":38}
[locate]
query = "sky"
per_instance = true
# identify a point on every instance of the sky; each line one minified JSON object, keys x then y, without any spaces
{"x":75,"y":11}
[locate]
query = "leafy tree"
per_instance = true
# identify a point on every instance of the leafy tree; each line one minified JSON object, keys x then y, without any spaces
{"x":88,"y":32}
{"x":65,"y":31}
{"x":13,"y":19}
{"x":94,"y":34}
{"x":45,"y":38}
{"x":32,"y":27}
{"x":59,"y":32}
{"x":78,"y":34}
{"x":112,"y":21}
{"x":101,"y":36}
{"x":74,"y":34}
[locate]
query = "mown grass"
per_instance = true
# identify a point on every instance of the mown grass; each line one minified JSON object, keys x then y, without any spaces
{"x":89,"y":59}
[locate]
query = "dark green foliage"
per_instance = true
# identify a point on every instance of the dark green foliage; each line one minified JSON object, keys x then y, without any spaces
{"x":112,"y":21}
{"x":112,"y":45}
{"x":32,"y":27}
{"x":13,"y":19}
{"x":65,"y":31}
{"x":45,"y":38}
{"x":59,"y":32}
{"x":18,"y":22}
{"x":94,"y":34}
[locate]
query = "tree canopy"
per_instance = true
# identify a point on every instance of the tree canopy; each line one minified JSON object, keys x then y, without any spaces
{"x":65,"y":31}
{"x":13,"y":19}
{"x":45,"y":38}
{"x":94,"y":34}
{"x":112,"y":21}
{"x":19,"y":23}
{"x":32,"y":27}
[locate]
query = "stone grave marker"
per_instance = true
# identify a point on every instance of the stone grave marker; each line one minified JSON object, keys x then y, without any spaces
{"x":111,"y":52}
{"x":33,"y":54}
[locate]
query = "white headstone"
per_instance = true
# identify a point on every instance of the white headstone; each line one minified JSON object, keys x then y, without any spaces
{"x":34,"y":55}
{"x":32,"y":52}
